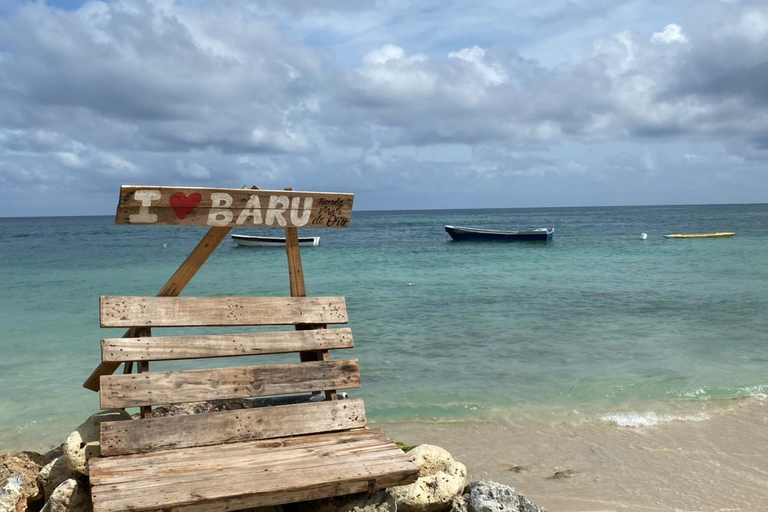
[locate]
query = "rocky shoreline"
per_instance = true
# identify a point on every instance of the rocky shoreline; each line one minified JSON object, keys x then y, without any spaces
{"x":57,"y":481}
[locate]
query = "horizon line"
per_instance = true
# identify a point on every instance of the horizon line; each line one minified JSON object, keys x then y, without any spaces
{"x":449,"y":209}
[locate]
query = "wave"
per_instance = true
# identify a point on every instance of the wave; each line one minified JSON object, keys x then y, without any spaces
{"x":649,"y":419}
{"x":728,"y":393}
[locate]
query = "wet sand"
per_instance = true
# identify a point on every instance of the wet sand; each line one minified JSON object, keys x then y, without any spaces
{"x":718,"y":464}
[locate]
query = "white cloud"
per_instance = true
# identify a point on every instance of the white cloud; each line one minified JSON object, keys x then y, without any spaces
{"x":575,"y":167}
{"x":68,"y":159}
{"x":110,"y":164}
{"x":672,"y":33}
{"x":191,"y":169}
{"x":288,"y":140}
{"x":382,"y":55}
{"x":389,"y":71}
{"x":754,"y":24}
{"x":490,"y":74}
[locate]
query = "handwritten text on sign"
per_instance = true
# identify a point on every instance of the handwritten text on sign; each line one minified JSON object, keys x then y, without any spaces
{"x":233,"y":207}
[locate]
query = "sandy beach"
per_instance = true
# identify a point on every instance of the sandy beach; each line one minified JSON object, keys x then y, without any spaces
{"x":699,"y":465}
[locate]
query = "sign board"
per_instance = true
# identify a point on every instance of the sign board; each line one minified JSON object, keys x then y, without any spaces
{"x":232,"y":207}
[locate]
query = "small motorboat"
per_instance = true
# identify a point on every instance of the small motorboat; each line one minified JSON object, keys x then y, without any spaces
{"x":273,"y":241}
{"x":701,"y":235}
{"x":460,"y":234}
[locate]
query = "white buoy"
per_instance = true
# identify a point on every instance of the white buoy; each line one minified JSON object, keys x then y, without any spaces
{"x":643,"y":236}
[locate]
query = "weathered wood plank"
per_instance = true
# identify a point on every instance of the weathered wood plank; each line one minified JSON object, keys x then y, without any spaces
{"x":147,"y":467}
{"x":221,"y":207}
{"x":257,"y":451}
{"x":258,"y":473}
{"x":172,"y":288}
{"x":134,"y":390}
{"x":328,"y":490}
{"x":220,"y":311}
{"x":348,"y":477}
{"x":141,"y":436}
{"x":202,"y":471}
{"x":171,"y":348}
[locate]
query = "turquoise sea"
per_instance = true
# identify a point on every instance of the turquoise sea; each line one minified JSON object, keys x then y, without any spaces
{"x":597,"y":321}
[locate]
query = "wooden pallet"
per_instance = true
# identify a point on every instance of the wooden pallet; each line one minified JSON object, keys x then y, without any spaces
{"x":231,"y":460}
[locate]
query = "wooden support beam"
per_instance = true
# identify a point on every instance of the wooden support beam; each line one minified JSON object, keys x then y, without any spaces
{"x":172,"y":288}
{"x":146,"y":410}
{"x":298,"y":289}
{"x":143,"y":367}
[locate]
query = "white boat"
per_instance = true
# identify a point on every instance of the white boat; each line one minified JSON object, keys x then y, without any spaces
{"x":273,"y":241}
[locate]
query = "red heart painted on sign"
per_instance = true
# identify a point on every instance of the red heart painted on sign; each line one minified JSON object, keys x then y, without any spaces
{"x":183,"y":204}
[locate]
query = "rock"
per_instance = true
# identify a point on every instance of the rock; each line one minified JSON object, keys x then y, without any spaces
{"x":492,"y":497}
{"x":232,"y":404}
{"x":83,"y":443}
{"x":441,"y":478}
{"x":53,"y":474}
{"x":18,"y":480}
{"x":488,"y":496}
{"x":527,"y":506}
{"x":380,"y":502}
{"x":562,"y":475}
{"x":460,"y":503}
{"x":200,"y":407}
{"x":69,"y":496}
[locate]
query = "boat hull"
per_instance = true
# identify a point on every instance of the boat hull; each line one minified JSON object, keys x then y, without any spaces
{"x":701,"y":235}
{"x":460,"y":234}
{"x":272,"y":241}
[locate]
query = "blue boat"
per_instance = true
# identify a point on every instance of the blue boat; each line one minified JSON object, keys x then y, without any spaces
{"x":460,"y":234}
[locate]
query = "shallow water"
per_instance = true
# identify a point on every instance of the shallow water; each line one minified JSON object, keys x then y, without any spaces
{"x":681,"y":465}
{"x":597,"y":321}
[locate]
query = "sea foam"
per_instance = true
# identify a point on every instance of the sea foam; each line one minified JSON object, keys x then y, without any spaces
{"x":649,"y":419}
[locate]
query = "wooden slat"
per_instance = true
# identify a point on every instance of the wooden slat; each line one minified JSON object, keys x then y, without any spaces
{"x":300,"y":445}
{"x":170,"y":348}
{"x":172,"y":288}
{"x":121,"y":391}
{"x":192,"y":206}
{"x":258,"y":473}
{"x":144,"y":467}
{"x":140,"y":436}
{"x":248,"y":501}
{"x":220,"y":311}
{"x":201,"y":472}
{"x":239,"y":467}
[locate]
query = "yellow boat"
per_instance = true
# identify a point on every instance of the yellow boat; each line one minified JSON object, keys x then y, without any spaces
{"x":702,"y":235}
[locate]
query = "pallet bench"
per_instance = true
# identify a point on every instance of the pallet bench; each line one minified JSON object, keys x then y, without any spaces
{"x":231,"y":460}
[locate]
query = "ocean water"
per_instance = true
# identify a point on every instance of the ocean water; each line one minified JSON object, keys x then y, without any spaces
{"x":597,"y":322}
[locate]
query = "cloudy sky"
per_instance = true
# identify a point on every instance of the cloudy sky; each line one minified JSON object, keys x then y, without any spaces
{"x":429,"y":104}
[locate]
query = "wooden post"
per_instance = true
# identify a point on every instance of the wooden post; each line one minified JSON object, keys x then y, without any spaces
{"x":143,"y":367}
{"x":298,"y":289}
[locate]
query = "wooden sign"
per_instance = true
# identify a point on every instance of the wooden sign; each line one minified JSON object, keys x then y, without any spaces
{"x":232,"y":207}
